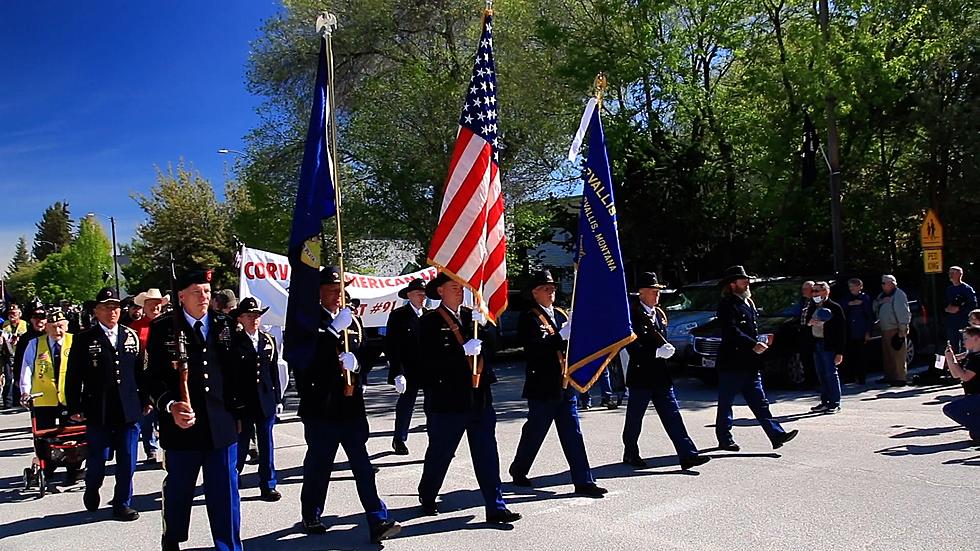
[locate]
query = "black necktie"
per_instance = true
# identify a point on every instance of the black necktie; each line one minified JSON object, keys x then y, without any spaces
{"x":199,"y":331}
{"x":57,"y":361}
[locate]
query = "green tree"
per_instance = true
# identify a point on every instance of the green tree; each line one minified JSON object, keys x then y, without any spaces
{"x":20,"y":284}
{"x":76,"y":273}
{"x":22,"y":257}
{"x":54,"y":231}
{"x":184,"y":219}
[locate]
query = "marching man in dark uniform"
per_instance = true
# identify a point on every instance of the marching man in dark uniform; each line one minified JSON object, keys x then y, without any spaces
{"x":543,"y":330}
{"x":333,"y":415}
{"x":649,"y":380}
{"x":103,"y":390}
{"x":257,"y":359}
{"x":404,"y":357}
{"x":198,"y":426}
{"x":452,"y":405}
{"x":739,"y":362}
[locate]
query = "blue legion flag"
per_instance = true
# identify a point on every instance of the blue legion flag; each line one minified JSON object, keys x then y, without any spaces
{"x":601,"y":322}
{"x":315,"y":200}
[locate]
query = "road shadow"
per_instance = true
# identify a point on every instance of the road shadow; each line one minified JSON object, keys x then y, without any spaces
{"x":969,"y":461}
{"x":929,"y":449}
{"x":940,"y":400}
{"x":932,"y":431}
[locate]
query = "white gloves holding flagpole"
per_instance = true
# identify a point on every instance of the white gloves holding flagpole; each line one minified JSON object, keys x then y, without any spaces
{"x":473,"y":347}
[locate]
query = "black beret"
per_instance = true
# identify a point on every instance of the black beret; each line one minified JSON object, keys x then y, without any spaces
{"x":194,"y":277}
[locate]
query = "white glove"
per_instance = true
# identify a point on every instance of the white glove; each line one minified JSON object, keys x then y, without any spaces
{"x":343,"y":320}
{"x":279,"y":409}
{"x":666,"y":351}
{"x":478,"y":317}
{"x":401,"y":384}
{"x":473,"y":347}
{"x":566,"y":330}
{"x":348,"y":361}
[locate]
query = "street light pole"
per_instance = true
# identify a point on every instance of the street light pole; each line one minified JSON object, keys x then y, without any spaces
{"x":115,"y":252}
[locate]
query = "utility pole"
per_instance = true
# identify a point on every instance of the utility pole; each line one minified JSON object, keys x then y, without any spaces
{"x":833,"y":147}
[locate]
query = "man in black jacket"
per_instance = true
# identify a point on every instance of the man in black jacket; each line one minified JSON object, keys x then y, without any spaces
{"x":457,"y":400}
{"x":740,"y":360}
{"x":649,"y":380}
{"x":197,"y":431}
{"x":404,"y":357}
{"x":102,"y":387}
{"x":332,"y":409}
{"x":257,"y":359}
{"x":543,"y":330}
{"x":825,"y":337}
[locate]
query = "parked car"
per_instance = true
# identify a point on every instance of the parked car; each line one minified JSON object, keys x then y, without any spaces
{"x":687,"y":308}
{"x":778,"y":301}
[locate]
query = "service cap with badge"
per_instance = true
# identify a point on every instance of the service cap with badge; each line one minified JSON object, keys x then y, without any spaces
{"x":194,"y":277}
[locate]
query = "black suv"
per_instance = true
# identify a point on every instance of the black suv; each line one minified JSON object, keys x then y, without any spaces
{"x":778,"y":301}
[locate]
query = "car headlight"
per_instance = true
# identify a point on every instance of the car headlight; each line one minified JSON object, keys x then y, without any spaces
{"x":681,"y":330}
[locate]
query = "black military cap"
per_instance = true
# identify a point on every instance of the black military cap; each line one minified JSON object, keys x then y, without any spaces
{"x":39,"y":313}
{"x":194,"y":277}
{"x":649,"y":280}
{"x":330,"y":275}
{"x":107,"y":295}
{"x":54,"y":316}
{"x":248,"y":305}
{"x":541,"y":277}
{"x":432,"y":287}
{"x":415,"y":285}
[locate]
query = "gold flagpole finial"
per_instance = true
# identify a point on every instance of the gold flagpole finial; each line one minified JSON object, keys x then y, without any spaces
{"x":600,"y":86}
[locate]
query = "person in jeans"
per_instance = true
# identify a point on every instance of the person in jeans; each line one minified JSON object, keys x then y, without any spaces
{"x":894,"y":316}
{"x":828,"y":337}
{"x":960,"y":300}
{"x":860,"y":320}
{"x":966,"y":410}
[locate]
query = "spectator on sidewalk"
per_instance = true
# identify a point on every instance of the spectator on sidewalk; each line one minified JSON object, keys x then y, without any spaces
{"x":894,"y":316}
{"x":860,"y":320}
{"x":826,"y":338}
{"x":960,"y":300}
{"x":966,"y":410}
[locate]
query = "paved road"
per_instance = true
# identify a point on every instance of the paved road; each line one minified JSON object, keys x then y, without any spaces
{"x":888,"y":472}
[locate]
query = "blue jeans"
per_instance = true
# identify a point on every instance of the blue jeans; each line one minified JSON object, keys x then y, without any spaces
{"x":823,"y":363}
{"x":220,"y":495}
{"x":540,"y":416}
{"x":966,"y":411}
{"x":665,"y":402}
{"x":123,"y":439}
{"x":954,"y":336}
{"x":749,"y":385}
{"x":404,"y":408}
{"x":262,"y":429}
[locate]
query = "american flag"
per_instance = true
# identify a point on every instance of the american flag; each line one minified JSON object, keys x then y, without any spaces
{"x":469,"y":243}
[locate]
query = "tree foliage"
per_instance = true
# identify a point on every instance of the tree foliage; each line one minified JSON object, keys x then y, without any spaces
{"x":22,"y":257}
{"x":54,"y":231}
{"x":76,"y":272}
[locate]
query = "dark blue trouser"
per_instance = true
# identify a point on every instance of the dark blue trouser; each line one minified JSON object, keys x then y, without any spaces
{"x":123,"y":439}
{"x":966,"y":411}
{"x":445,"y":431}
{"x":749,"y":385}
{"x":564,"y":414}
{"x":953,"y":334}
{"x":322,"y":440}
{"x":823,"y":364}
{"x":404,"y":408}
{"x":262,"y":429}
{"x":148,"y":434}
{"x":665,"y":402}
{"x":220,"y":494}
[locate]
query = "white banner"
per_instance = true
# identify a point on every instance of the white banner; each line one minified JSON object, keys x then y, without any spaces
{"x":265,"y":276}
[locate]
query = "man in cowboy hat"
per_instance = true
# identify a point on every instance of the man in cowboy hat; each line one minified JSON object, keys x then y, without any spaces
{"x":543,"y":330}
{"x":648,"y":378}
{"x":401,"y":346}
{"x":103,"y":389}
{"x":256,"y":353}
{"x":197,"y":431}
{"x":151,"y":302}
{"x":333,"y":415}
{"x":457,"y":401}
{"x":740,"y":361}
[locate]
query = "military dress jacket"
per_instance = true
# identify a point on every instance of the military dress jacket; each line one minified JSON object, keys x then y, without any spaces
{"x":105,"y":382}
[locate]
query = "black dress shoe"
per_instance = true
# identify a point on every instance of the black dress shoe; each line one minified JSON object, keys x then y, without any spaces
{"x":399,"y":447}
{"x":590,"y":490}
{"x":125,"y":513}
{"x":429,"y":509}
{"x":585,"y":404}
{"x":385,"y":530}
{"x":168,"y":545}
{"x":503,"y":516}
{"x":270,"y":494}
{"x":314,"y":526}
{"x":91,"y":499}
{"x":521,"y":480}
{"x":692,"y":461}
{"x":785,"y":438}
{"x":729,"y":446}
{"x":608,"y":403}
{"x":634,"y":460}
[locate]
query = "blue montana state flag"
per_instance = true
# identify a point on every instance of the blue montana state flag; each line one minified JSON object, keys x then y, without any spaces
{"x":315,"y":200}
{"x":601,"y":322}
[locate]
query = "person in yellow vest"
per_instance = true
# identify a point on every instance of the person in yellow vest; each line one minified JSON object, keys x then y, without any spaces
{"x":43,"y":372}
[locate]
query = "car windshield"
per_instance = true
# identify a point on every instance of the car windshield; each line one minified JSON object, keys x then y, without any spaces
{"x":777,"y":298}
{"x":695,"y":299}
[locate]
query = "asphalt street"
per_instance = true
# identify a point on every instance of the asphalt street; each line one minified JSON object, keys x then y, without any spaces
{"x":887,"y":472}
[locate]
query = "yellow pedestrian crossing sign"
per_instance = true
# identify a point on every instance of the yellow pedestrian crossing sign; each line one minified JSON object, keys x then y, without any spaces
{"x":931,"y":231}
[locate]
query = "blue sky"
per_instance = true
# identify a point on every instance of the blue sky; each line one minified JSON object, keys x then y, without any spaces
{"x":94,"y":95}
